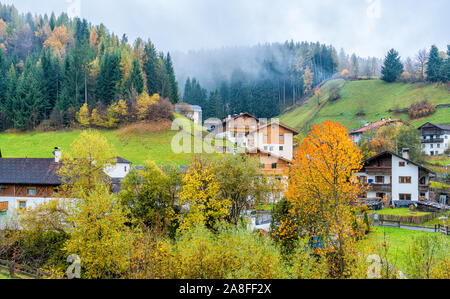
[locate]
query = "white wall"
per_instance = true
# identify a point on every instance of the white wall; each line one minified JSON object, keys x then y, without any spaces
{"x":119,"y":171}
{"x":427,"y":148}
{"x":13,"y":205}
{"x":288,"y":146}
{"x":410,"y":170}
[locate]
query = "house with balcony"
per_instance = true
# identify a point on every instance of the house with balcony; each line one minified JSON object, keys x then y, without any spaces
{"x":275,"y":138}
{"x":390,"y":175}
{"x":236,"y":128}
{"x":28,"y":182}
{"x":435,"y":139}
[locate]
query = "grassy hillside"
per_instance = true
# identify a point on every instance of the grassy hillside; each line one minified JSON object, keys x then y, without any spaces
{"x":372,"y":100}
{"x":134,"y":143}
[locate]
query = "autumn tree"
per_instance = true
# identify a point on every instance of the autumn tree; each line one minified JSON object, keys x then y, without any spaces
{"x":308,"y":78}
{"x":240,"y":180}
{"x":201,"y":193}
{"x":83,"y":116}
{"x":144,"y":104}
{"x":422,"y":58}
{"x":58,"y":41}
{"x":322,"y":188}
{"x":147,"y":195}
{"x":99,"y":236}
{"x":84,"y":166}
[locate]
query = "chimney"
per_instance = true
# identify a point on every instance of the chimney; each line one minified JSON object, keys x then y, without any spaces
{"x":57,"y":154}
{"x":405,"y":153}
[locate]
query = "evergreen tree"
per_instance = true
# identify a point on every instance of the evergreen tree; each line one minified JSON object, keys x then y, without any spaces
{"x":136,"y":79}
{"x":392,"y":68}
{"x":174,"y":93}
{"x":434,"y":65}
{"x":445,"y":69}
{"x":151,"y":63}
{"x":109,"y":78}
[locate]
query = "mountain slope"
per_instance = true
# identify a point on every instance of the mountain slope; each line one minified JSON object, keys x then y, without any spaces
{"x":369,"y":101}
{"x":136,"y":143}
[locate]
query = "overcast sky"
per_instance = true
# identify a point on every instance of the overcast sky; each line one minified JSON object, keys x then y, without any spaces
{"x":367,"y":27}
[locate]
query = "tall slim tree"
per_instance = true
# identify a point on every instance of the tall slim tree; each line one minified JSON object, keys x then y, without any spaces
{"x":434,"y":65}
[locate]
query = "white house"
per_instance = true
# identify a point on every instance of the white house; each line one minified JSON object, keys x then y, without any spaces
{"x":388,"y":174}
{"x":435,"y":139}
{"x":193,"y":112}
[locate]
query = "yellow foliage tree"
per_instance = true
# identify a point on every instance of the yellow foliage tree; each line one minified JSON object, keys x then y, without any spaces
{"x":93,"y":38}
{"x":83,"y":168}
{"x":308,"y":78}
{"x":58,"y":41}
{"x":144,"y":103}
{"x":201,"y":192}
{"x":99,"y":236}
{"x":97,"y":119}
{"x":345,"y":73}
{"x":3,"y":31}
{"x":323,"y":187}
{"x":83,"y":116}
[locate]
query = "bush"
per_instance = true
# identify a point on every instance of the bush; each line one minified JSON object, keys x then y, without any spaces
{"x":421,"y":109}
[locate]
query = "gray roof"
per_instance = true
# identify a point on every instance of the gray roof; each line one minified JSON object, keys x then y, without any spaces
{"x":27,"y":171}
{"x":398,"y":156}
{"x":442,"y":127}
{"x":122,"y":160}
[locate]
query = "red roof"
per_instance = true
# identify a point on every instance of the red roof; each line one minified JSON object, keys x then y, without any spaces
{"x":375,"y":125}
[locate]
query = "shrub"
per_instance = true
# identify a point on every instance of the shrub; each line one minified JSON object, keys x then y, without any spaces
{"x":421,"y":109}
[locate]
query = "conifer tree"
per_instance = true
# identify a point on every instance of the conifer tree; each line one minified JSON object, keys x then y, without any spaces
{"x":434,"y":65}
{"x":392,"y":68}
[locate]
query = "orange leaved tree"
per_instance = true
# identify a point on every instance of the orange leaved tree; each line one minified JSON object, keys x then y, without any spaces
{"x":323,"y":187}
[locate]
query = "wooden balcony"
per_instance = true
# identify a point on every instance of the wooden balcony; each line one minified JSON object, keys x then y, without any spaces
{"x":378,"y":170}
{"x":380,"y":187}
{"x":433,"y":140}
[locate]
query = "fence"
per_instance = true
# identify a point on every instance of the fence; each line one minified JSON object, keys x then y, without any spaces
{"x":25,"y":271}
{"x":410,"y":219}
{"x":442,"y":229}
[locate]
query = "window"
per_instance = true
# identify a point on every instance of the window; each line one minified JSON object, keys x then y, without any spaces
{"x":266,"y":137}
{"x":274,"y":165}
{"x":401,"y":164}
{"x":281,"y":137}
{"x":31,"y":191}
{"x":281,"y":148}
{"x":405,"y":180}
{"x":379,"y":179}
{"x":266,"y":148}
{"x":271,"y":148}
{"x":262,"y":166}
{"x":431,"y":145}
{"x":405,"y":197}
{"x":125,"y":169}
{"x":22,"y":204}
{"x":438,"y":145}
{"x":55,"y":191}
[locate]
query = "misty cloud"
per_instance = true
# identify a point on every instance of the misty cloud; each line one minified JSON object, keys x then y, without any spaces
{"x":368,"y":28}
